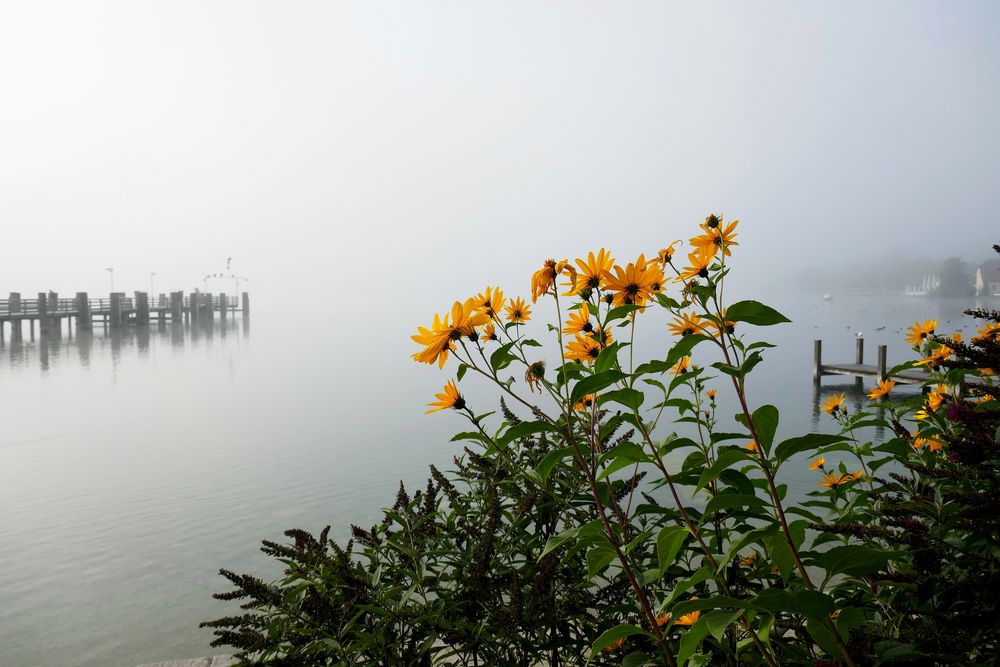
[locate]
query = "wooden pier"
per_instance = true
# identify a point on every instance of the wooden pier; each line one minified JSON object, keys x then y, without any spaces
{"x":860,"y":370}
{"x":118,"y":310}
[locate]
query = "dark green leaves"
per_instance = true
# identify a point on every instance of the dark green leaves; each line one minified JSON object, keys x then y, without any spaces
{"x":754,"y":312}
{"x":594,"y":383}
{"x":855,"y":559}
{"x":803,"y":443}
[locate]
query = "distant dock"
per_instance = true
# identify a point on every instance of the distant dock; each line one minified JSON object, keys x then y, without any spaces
{"x":860,"y":370}
{"x":116,"y":311}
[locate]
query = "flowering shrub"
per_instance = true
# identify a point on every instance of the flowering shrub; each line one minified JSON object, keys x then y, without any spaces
{"x":568,"y":533}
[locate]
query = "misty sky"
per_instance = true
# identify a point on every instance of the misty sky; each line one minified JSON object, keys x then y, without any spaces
{"x":408,"y":153}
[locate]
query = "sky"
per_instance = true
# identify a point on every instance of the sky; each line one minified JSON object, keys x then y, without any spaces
{"x":399,"y":155}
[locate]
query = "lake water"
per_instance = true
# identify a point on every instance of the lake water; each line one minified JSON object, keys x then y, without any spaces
{"x":134,"y":465}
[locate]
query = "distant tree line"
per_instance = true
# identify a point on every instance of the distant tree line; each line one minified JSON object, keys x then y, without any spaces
{"x":957,"y":277}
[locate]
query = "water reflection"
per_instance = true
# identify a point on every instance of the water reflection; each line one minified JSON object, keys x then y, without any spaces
{"x":855,"y":400}
{"x":54,"y":348}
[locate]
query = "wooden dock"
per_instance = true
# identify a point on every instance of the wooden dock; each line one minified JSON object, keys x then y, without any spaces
{"x":860,"y":370}
{"x":118,"y":310}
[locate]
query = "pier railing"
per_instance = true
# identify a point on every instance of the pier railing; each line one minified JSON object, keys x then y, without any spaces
{"x":49,"y":310}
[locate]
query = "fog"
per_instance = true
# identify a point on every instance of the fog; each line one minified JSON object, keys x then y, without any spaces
{"x":394,"y":156}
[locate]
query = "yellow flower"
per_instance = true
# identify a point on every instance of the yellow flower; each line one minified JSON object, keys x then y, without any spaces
{"x":833,"y":404}
{"x":436,"y":340}
{"x":687,"y":619}
{"x":933,"y":443}
{"x":818,"y":463}
{"x":632,"y":284}
{"x":919,"y":332}
{"x":882,"y":390}
{"x":490,"y":302}
{"x":665,"y":255}
{"x":449,"y":399}
{"x":716,"y":238}
{"x":681,"y":366}
{"x":989,"y":330}
{"x":752,"y":446}
{"x":698,"y":263}
{"x":750,"y":560}
{"x":544,"y":278}
{"x":936,"y":397}
{"x":939,"y":355}
{"x":583,"y":348}
{"x":687,"y":324}
{"x":518,"y":311}
{"x":655,"y":277}
{"x":614,"y":646}
{"x":833,"y":480}
{"x":585,"y":402}
{"x":490,"y":332}
{"x":591,"y":272}
{"x":711,"y":394}
{"x":579,"y":320}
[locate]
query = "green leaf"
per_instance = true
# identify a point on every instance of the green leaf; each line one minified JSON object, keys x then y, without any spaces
{"x":683,"y":585}
{"x":728,"y":500}
{"x":717,"y":621}
{"x":501,"y":357}
{"x":622,"y":456}
{"x":855,"y":559}
{"x":620,"y":312}
{"x":691,"y":640}
{"x":683,"y":347}
{"x":668,"y":544}
{"x":666,"y":301}
{"x":558,"y":540}
{"x":609,"y":637}
{"x":471,"y":435}
{"x":754,"y":312}
{"x":726,"y":459}
{"x":637,"y":659}
{"x":765,"y":422}
{"x":599,"y":558}
{"x":461,"y":371}
{"x":608,"y":358}
{"x":550,"y":461}
{"x":594,"y":383}
{"x":630,"y":398}
{"x":530,"y":342}
{"x":804,"y":443}
{"x":524,"y":429}
{"x":811,"y":604}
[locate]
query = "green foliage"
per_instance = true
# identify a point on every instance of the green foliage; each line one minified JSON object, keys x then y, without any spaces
{"x":573,"y":532}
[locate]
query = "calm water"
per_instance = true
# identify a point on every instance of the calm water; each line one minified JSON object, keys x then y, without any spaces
{"x":133,"y":466}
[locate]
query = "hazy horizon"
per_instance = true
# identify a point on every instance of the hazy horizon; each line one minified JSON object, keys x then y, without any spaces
{"x":353,"y":148}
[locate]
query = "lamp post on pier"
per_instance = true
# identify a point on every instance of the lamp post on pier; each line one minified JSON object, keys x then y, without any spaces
{"x":111,"y":275}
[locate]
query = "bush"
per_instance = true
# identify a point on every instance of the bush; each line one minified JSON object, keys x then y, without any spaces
{"x":565,"y":536}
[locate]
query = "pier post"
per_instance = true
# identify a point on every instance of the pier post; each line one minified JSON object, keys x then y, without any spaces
{"x":176,"y":307}
{"x":223,"y":309}
{"x":817,"y":361}
{"x":82,"y":312}
{"x":141,"y":308}
{"x":881,"y":363}
{"x":43,"y":314}
{"x":246,"y":305}
{"x":859,"y":359}
{"x":14,"y":306}
{"x":209,"y":311}
{"x":117,"y":299}
{"x":193,"y":307}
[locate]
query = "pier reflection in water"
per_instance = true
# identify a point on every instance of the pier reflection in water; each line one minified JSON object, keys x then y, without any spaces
{"x":50,"y":350}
